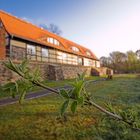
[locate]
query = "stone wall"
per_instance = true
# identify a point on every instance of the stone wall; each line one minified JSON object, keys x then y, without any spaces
{"x":6,"y":75}
{"x":48,"y":71}
{"x":71,"y":71}
{"x":61,"y":72}
{"x":106,"y":71}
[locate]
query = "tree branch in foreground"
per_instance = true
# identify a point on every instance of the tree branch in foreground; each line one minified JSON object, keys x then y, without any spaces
{"x":77,"y":94}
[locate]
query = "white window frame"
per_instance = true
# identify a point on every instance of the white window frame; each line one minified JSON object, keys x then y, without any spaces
{"x":90,"y":62}
{"x":75,"y":49}
{"x":64,"y":55}
{"x":80,"y":61}
{"x":53,"y":41}
{"x":31,"y":49}
{"x":88,"y":53}
{"x":59,"y":55}
{"x":97,"y":64}
{"x":44,"y":52}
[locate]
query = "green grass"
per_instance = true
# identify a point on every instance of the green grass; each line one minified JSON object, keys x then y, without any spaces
{"x":67,"y":81}
{"x":39,"y":119}
{"x":123,"y":89}
{"x":50,"y":84}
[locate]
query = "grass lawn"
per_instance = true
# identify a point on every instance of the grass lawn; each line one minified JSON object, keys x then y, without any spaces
{"x":39,"y":119}
{"x":51,"y":84}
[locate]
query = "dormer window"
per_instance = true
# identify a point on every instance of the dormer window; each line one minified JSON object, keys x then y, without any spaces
{"x":88,"y":53}
{"x":75,"y":49}
{"x":56,"y":42}
{"x":50,"y":40}
{"x":53,"y":41}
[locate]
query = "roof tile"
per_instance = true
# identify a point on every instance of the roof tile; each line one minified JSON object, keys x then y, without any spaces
{"x":26,"y":30}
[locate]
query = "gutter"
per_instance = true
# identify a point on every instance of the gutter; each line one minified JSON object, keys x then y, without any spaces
{"x":40,"y":43}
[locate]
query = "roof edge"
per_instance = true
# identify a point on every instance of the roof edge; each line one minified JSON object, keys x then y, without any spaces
{"x":94,"y":57}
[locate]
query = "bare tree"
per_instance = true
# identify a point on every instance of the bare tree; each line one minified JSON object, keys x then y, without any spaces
{"x":138,"y":54}
{"x":105,"y":61}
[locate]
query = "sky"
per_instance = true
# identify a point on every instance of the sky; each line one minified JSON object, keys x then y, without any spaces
{"x":103,"y":26}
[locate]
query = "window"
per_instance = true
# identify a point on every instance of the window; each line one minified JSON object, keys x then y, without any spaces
{"x":59,"y":55}
{"x":80,"y":61}
{"x":94,"y":63}
{"x":64,"y":55}
{"x":50,"y":40}
{"x":74,"y":59}
{"x":97,"y":64}
{"x":31,"y":49}
{"x":75,"y":49}
{"x":45,"y":52}
{"x":64,"y":58}
{"x":53,"y":41}
{"x":88,"y":53}
{"x":90,"y":62}
{"x":56,"y":42}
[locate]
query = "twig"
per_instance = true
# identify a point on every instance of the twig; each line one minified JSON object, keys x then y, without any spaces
{"x":88,"y":101}
{"x":115,"y":116}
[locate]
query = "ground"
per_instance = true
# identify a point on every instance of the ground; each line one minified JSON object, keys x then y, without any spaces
{"x":51,"y":83}
{"x":39,"y":119}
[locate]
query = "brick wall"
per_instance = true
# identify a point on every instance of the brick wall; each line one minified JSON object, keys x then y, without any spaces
{"x":2,"y":43}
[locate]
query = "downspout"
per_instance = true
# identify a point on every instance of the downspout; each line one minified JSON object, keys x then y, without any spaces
{"x":11,"y":37}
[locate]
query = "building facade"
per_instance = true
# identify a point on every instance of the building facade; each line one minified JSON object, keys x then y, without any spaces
{"x":57,"y":57}
{"x":20,"y":39}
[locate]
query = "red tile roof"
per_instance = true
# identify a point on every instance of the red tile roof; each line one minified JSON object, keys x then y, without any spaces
{"x":25,"y":30}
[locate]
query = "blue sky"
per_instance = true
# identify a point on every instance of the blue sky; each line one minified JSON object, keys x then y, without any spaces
{"x":101,"y":25}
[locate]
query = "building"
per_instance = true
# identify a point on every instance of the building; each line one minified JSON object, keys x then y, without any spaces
{"x":20,"y":39}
